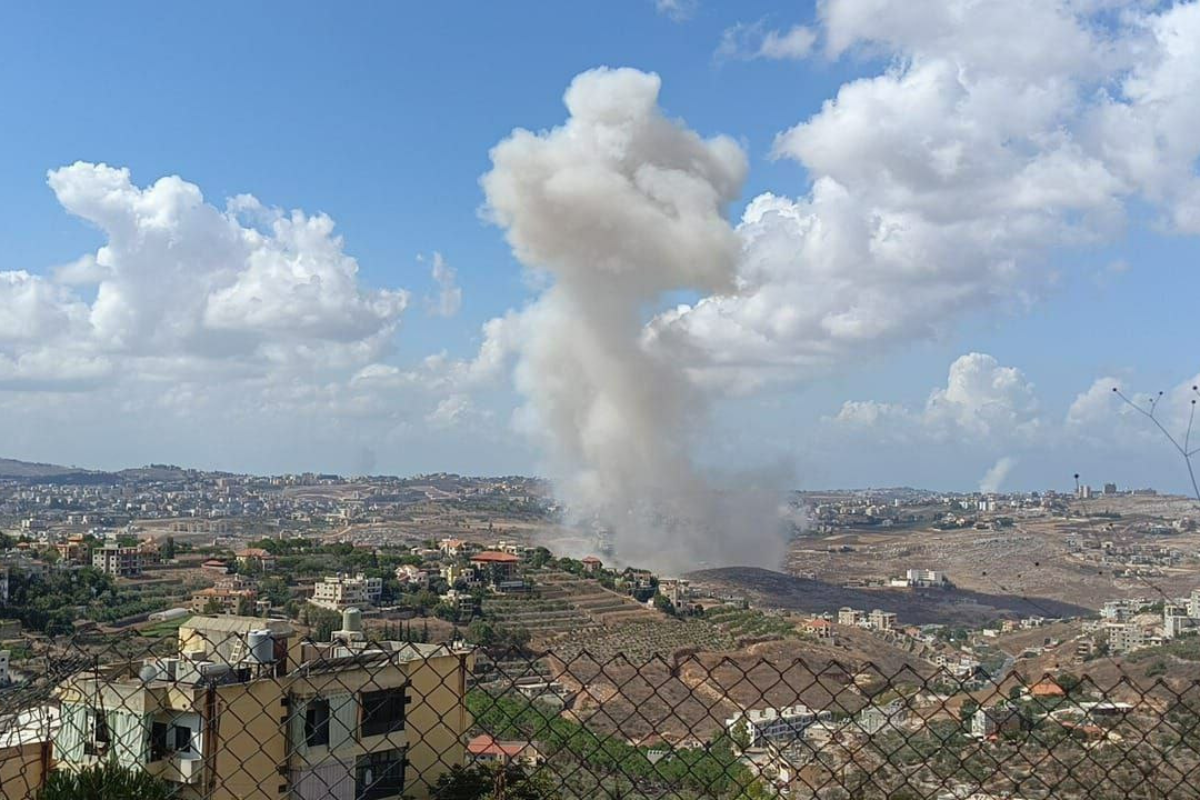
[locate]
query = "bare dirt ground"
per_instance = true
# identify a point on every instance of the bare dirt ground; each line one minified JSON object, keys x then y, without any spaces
{"x":1031,"y":561}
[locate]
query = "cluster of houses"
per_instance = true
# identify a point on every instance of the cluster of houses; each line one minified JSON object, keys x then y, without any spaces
{"x":1132,"y":624}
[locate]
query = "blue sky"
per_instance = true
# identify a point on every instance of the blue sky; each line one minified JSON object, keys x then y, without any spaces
{"x":382,"y":117}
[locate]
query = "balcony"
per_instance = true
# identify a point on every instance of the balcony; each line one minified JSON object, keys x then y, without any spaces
{"x":183,"y":768}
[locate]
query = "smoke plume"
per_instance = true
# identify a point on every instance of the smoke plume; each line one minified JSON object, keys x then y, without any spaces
{"x":620,"y":205}
{"x":994,"y":478}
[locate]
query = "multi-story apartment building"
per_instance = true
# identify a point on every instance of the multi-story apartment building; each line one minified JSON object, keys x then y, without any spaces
{"x":1175,"y":620}
{"x":118,"y":561}
{"x":339,"y":592}
{"x":244,"y":711}
{"x":758,"y":727}
{"x":849,"y":616}
{"x":882,"y":620}
{"x":224,"y":600}
{"x":1194,"y":604}
{"x":1125,"y":637}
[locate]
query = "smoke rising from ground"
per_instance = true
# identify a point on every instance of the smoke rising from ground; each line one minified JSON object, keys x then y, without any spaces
{"x":621,"y":205}
{"x":993,"y":480}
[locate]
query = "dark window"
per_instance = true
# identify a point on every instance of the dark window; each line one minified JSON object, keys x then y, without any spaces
{"x":100,"y":735}
{"x":183,"y":737}
{"x":316,"y":723}
{"x":158,"y":741}
{"x":383,"y":712}
{"x":379,"y":775}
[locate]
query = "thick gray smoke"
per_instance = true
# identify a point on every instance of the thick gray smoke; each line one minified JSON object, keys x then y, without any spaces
{"x":621,"y":205}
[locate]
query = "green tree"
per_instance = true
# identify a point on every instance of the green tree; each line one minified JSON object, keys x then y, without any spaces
{"x":494,"y":782}
{"x":275,"y":589}
{"x":168,"y":548}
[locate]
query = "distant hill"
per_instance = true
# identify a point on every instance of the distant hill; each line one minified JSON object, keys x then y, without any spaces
{"x":914,"y":607}
{"x":21,"y":470}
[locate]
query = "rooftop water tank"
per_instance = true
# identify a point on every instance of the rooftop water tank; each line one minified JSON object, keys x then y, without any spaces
{"x":261,"y":647}
{"x":352,"y":621}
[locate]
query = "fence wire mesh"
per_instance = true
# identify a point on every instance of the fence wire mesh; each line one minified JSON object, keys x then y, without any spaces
{"x":234,"y":707}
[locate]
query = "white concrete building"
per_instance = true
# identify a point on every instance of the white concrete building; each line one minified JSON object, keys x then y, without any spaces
{"x":339,"y":592}
{"x":120,"y":562}
{"x":774,"y":724}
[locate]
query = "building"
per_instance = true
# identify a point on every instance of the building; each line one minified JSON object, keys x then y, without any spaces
{"x":484,"y":749}
{"x":495,"y":567}
{"x":994,"y":721}
{"x":342,"y":719}
{"x":882,"y":620}
{"x":879,"y":719}
{"x":677,"y":590}
{"x":1125,"y":637}
{"x":1194,"y":604}
{"x":757,"y":727}
{"x":221,"y":600}
{"x":592,"y":564}
{"x":849,"y":616}
{"x":454,"y":547}
{"x":120,"y":562}
{"x":215,"y":566}
{"x":820,"y":628}
{"x":25,"y":751}
{"x":256,"y":558}
{"x":1175,"y":621}
{"x":407,"y":573}
{"x":339,"y":592}
{"x":74,"y":550}
{"x":925,"y":578}
{"x":1047,"y":689}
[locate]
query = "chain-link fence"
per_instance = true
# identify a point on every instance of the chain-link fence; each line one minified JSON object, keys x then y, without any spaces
{"x":234,"y":707}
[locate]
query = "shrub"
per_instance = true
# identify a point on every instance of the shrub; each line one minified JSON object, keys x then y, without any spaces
{"x":108,"y":781}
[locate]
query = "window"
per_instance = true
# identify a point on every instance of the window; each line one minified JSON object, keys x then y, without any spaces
{"x":316,"y":723}
{"x":158,"y":741}
{"x":102,"y":734}
{"x":98,"y":743}
{"x":383,"y":711}
{"x":183,"y":738}
{"x":379,"y":775}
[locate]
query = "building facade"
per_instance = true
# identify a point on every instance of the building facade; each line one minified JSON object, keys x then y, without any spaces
{"x":120,"y":562}
{"x":339,"y":592}
{"x":238,"y":714}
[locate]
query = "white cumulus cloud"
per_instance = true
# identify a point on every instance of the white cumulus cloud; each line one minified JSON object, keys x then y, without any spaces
{"x":998,"y":133}
{"x":982,"y":402}
{"x":748,"y":41}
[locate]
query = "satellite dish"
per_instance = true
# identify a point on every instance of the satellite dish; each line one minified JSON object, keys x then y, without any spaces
{"x":148,"y":673}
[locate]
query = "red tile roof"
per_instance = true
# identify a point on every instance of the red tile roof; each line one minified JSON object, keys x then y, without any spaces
{"x":495,"y":557}
{"x":1047,"y":688}
{"x":485,"y":745}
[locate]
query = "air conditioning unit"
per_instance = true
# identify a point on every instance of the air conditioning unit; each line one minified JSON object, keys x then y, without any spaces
{"x":189,"y":766}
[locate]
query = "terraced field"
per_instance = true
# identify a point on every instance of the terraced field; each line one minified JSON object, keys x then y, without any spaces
{"x":638,"y":642}
{"x":568,"y":607}
{"x":751,"y":624}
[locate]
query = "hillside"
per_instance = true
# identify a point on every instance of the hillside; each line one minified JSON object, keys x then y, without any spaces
{"x":11,"y":469}
{"x":780,"y":590}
